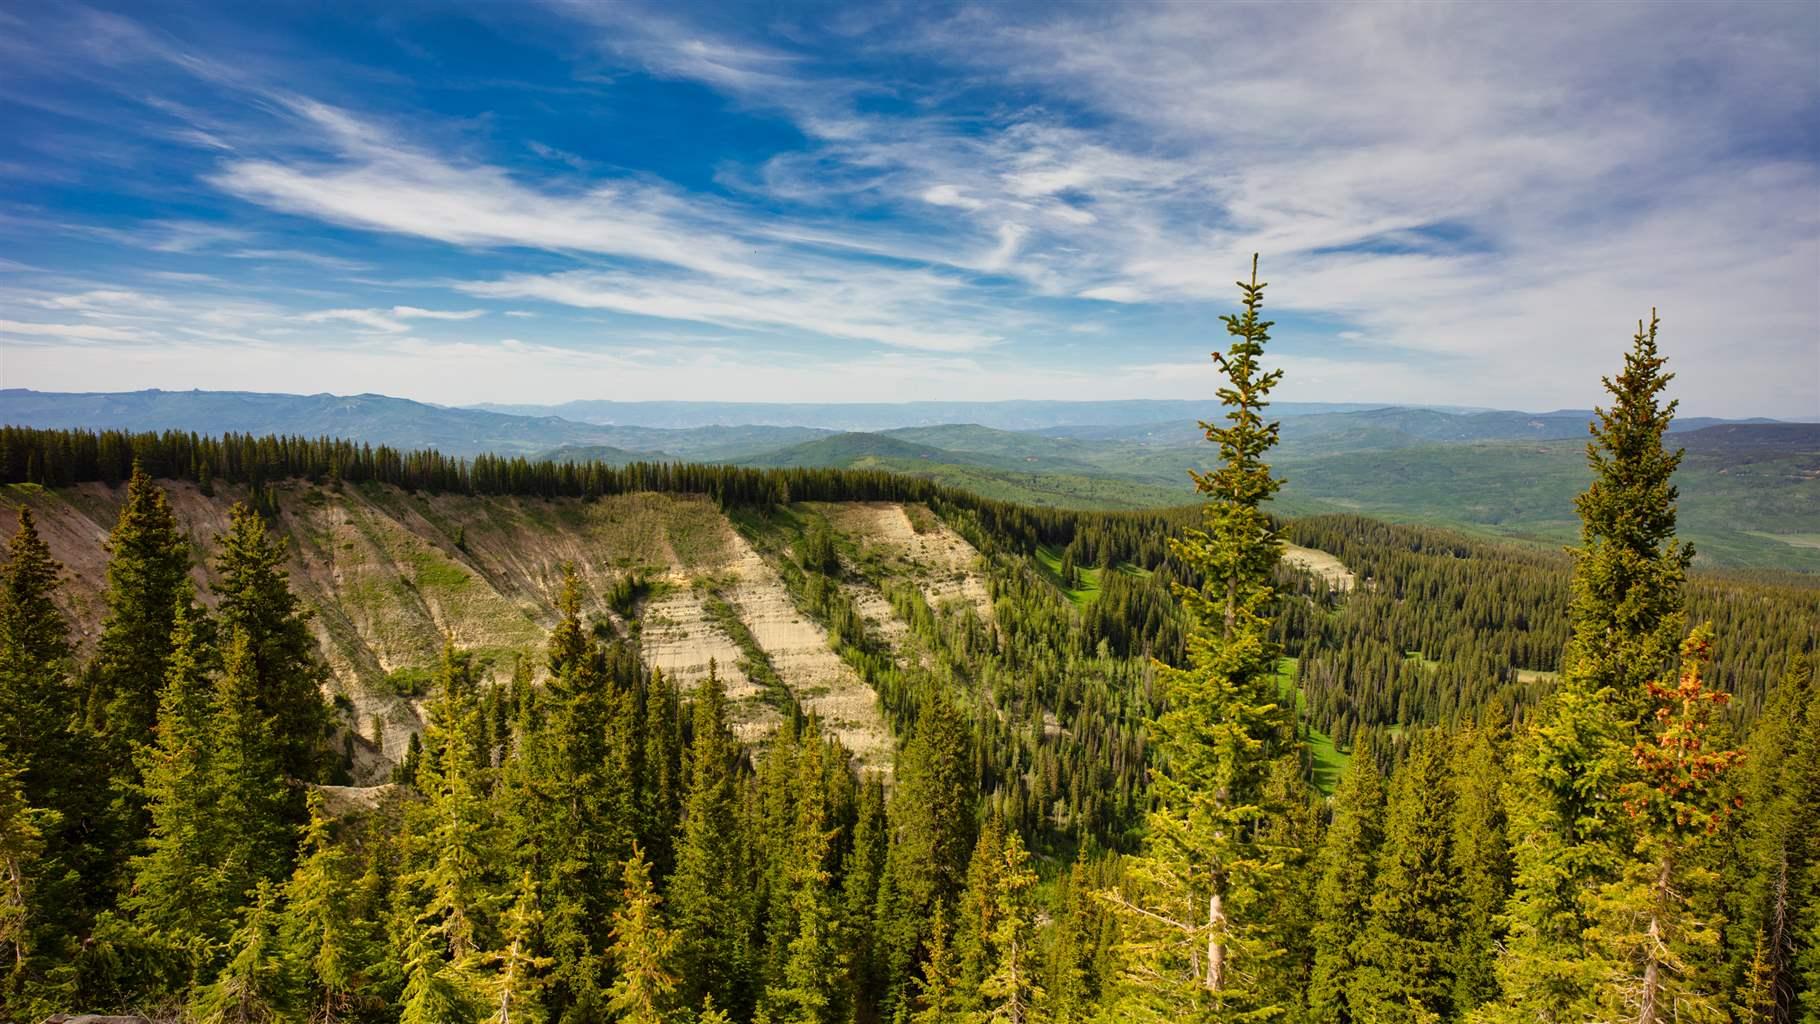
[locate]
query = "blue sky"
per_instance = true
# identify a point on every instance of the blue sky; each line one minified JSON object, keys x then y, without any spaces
{"x":548,"y":201}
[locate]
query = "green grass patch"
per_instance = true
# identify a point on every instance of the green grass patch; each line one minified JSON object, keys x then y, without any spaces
{"x":434,"y":571}
{"x":1087,"y":581}
{"x":1328,"y":761}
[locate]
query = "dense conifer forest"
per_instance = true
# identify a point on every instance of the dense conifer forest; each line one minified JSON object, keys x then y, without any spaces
{"x":1477,"y":782}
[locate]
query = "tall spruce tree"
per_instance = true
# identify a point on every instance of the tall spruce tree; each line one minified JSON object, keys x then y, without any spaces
{"x":1197,"y":910}
{"x":147,"y":564}
{"x":1410,"y":949}
{"x":254,"y":597}
{"x":435,"y":991}
{"x":861,"y":875}
{"x":1481,"y":855}
{"x":515,"y":988}
{"x":458,"y":826}
{"x":1010,"y":990}
{"x":22,"y":829}
{"x":37,"y":696}
{"x":1626,"y":616}
{"x":255,"y":985}
{"x":253,"y":820}
{"x":931,"y":822}
{"x":1777,"y":858}
{"x":180,"y":887}
{"x":321,"y":929}
{"x":976,"y":913}
{"x":147,"y":569}
{"x":1346,"y":871}
{"x":1629,"y":570}
{"x":938,"y":999}
{"x":643,"y":948}
{"x":39,"y":747}
{"x":809,"y":987}
{"x":706,"y":896}
{"x":1646,"y":926}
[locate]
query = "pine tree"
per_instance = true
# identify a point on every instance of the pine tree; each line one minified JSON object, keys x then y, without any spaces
{"x":1073,"y":957}
{"x":1294,"y":830}
{"x":255,"y":598}
{"x":1629,"y":571}
{"x":660,"y":799}
{"x":1410,"y":948}
{"x":180,"y":887}
{"x":1200,"y":924}
{"x":39,"y":755}
{"x":809,"y":987}
{"x":1010,"y":988}
{"x":938,"y":998}
{"x":1561,"y":800}
{"x":860,"y":878}
{"x":1777,"y":851}
{"x":37,"y":699}
{"x":321,"y":931}
{"x":147,"y":569}
{"x":643,"y":948}
{"x":976,"y":914}
{"x":709,"y":906}
{"x":148,"y":564}
{"x":515,"y":989}
{"x":1626,"y":616}
{"x":22,"y":830}
{"x":1645,"y":924}
{"x":1346,"y":870}
{"x":435,"y":992}
{"x":251,"y":813}
{"x":254,"y":987}
{"x":458,"y":828}
{"x":1481,"y":854}
{"x":931,"y":823}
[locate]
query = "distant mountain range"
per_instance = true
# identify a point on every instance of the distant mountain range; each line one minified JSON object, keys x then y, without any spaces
{"x":376,"y":419}
{"x":1750,"y":488}
{"x":874,"y":416}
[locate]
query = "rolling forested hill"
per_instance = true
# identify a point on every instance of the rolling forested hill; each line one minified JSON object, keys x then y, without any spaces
{"x":1750,"y":490}
{"x":503,"y":640}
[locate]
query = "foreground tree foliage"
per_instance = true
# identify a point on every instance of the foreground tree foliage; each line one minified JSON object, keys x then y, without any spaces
{"x":1094,"y":814}
{"x":1198,"y":921}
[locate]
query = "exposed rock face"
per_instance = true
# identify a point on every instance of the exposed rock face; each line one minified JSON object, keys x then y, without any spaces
{"x":389,"y":575}
{"x":942,"y":563}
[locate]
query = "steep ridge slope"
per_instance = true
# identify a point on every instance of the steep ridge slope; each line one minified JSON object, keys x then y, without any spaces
{"x":391,"y":576}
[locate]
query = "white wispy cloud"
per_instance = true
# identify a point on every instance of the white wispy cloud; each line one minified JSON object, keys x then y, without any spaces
{"x":379,"y":181}
{"x":415,"y":313}
{"x":1447,"y":180}
{"x":881,"y":306}
{"x":1466,"y":198}
{"x":68,"y":332}
{"x":388,"y":321}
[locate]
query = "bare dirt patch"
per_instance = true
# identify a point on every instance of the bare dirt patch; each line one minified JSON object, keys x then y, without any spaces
{"x":799,"y":649}
{"x":1321,"y":564}
{"x":681,"y":639}
{"x":941,"y":561}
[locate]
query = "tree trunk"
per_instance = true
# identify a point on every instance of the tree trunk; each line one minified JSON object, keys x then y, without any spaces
{"x":1648,"y":1011}
{"x":1216,"y":941}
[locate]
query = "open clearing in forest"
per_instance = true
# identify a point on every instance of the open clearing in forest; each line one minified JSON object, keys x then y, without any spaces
{"x":1329,"y":760}
{"x":1321,"y":564}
